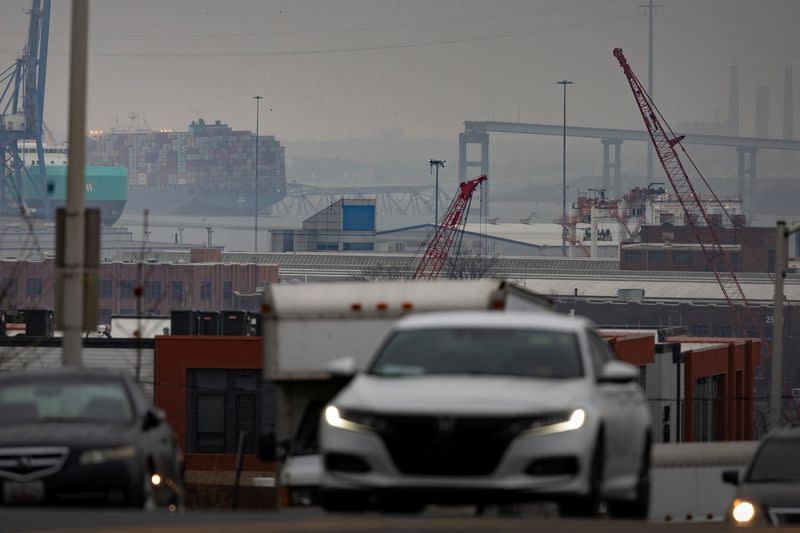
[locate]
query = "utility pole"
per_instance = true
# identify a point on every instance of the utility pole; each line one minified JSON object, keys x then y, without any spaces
{"x":564,"y":83}
{"x":776,"y":376}
{"x":436,"y":163}
{"x":74,"y":221}
{"x":255,"y":199}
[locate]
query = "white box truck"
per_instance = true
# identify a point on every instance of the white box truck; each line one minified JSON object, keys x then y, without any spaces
{"x":307,"y":326}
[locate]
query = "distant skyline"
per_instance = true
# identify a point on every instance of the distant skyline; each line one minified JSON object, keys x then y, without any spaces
{"x":347,"y":69}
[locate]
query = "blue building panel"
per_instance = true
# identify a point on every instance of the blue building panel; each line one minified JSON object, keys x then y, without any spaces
{"x":358,"y":218}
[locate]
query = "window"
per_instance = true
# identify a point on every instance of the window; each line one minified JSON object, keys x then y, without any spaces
{"x":152,"y":290}
{"x":205,"y":290}
{"x":736,"y":261}
{"x":34,"y":287}
{"x":104,"y":316}
{"x":224,"y":403}
{"x":327,"y":246}
{"x":680,"y":258}
{"x":176,"y":291}
{"x":106,"y":288}
{"x":227,"y":291}
{"x":459,"y":351}
{"x":126,"y":288}
{"x":656,"y":257}
{"x":633,"y":257}
{"x":366,"y":246}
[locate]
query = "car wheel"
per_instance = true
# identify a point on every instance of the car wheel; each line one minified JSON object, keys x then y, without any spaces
{"x":639,"y":507}
{"x":343,"y":501}
{"x":588,"y":504}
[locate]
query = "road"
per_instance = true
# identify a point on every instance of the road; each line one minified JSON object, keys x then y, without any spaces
{"x":27,"y":520}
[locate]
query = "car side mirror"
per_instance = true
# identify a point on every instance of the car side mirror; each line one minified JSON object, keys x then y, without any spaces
{"x":618,"y":372}
{"x":153,"y":418}
{"x":730,"y":476}
{"x":343,"y":367}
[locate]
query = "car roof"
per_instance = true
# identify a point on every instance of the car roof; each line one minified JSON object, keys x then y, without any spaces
{"x":61,"y":372}
{"x":495,"y":319}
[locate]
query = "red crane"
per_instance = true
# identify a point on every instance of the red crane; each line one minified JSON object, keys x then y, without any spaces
{"x":451,"y":225}
{"x":665,"y":142}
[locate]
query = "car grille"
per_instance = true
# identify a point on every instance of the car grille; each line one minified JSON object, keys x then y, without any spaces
{"x":24,"y":464}
{"x":447,"y":446}
{"x":785,"y":515}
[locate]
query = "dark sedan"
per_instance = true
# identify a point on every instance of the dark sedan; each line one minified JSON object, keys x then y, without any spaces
{"x":769,"y":491}
{"x":79,"y":436}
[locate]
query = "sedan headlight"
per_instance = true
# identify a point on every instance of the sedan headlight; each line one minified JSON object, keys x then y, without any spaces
{"x":350,"y":420}
{"x":104,"y":455}
{"x":556,"y":423}
{"x":743,"y":512}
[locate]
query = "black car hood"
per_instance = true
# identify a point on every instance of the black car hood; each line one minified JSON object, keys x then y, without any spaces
{"x":772,"y":494}
{"x":80,"y":435}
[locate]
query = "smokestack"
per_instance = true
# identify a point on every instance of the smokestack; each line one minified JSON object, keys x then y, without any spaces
{"x":762,"y":112}
{"x":733,"y":101}
{"x":788,"y":105}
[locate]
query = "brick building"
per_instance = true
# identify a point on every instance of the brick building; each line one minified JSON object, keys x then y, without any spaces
{"x":202,"y":283}
{"x":668,"y":248}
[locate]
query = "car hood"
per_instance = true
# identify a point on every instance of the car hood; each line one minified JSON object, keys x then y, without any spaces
{"x":73,"y":435}
{"x":473,"y":395}
{"x":772,"y":494}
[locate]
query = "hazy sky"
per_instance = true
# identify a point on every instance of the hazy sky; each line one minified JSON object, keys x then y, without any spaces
{"x":339,"y":69}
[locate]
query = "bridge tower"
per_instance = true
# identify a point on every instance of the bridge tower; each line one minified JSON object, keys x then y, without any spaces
{"x":481,"y":137}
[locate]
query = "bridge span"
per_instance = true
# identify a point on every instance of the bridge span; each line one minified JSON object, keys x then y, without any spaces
{"x":477,"y":132}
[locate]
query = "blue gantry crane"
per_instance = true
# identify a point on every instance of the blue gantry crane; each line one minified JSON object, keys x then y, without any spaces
{"x":21,"y":116}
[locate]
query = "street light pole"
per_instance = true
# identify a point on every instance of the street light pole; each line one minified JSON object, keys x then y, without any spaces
{"x":255,"y":180}
{"x":436,"y":163}
{"x":564,"y":83}
{"x":776,"y":377}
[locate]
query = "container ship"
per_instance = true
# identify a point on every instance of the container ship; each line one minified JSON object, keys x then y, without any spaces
{"x":106,"y":186}
{"x":208,"y":169}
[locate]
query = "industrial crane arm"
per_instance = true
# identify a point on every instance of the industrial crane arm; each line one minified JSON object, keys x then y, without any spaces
{"x":665,"y":141}
{"x":451,"y":223}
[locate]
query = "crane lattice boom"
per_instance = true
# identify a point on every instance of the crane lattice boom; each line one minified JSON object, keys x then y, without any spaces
{"x":665,"y":142}
{"x":451,"y":223}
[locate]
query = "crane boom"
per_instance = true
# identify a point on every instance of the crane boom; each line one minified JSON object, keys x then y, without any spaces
{"x":665,"y":141}
{"x":447,"y":228}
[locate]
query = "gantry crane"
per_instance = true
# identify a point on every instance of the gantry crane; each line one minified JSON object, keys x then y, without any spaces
{"x":666,"y":144}
{"x":21,"y":114}
{"x":448,"y":232}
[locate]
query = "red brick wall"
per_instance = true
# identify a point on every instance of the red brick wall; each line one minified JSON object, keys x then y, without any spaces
{"x":634,"y":348}
{"x":244,"y":278}
{"x":734,"y":356}
{"x":173,"y":356}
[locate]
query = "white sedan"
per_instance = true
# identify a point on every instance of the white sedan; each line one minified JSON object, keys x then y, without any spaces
{"x":489,"y":407}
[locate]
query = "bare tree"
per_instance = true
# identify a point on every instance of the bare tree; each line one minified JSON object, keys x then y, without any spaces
{"x":471,"y":265}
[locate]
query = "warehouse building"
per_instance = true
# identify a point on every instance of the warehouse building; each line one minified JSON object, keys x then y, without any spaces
{"x":345,"y":225}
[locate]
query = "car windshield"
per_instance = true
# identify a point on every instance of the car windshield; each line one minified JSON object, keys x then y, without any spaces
{"x":776,"y":462}
{"x":482,"y":351}
{"x":59,"y":401}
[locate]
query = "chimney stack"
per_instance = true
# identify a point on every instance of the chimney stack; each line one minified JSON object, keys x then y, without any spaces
{"x":762,"y":112}
{"x":733,"y":101}
{"x":788,"y":104}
